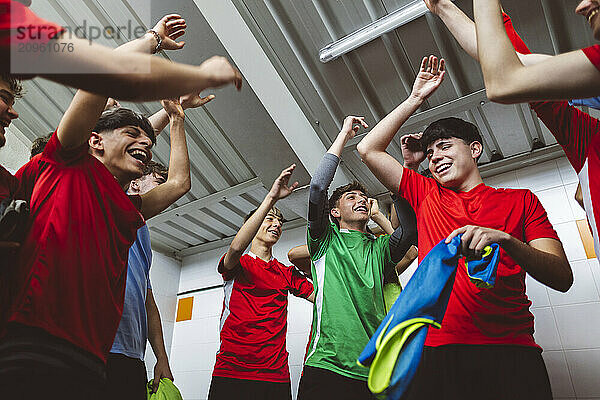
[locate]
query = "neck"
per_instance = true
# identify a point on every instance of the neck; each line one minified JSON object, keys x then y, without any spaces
{"x":261,"y":249}
{"x":354,"y":226}
{"x":471,"y":182}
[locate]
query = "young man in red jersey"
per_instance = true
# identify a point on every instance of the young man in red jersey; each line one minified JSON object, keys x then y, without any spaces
{"x":576,"y":131}
{"x":124,"y":75}
{"x":67,"y":289}
{"x":252,"y":361}
{"x":486,"y":345}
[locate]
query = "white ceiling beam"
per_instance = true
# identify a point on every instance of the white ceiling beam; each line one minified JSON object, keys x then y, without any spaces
{"x":261,"y":75}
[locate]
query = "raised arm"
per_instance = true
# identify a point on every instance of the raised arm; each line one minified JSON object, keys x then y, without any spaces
{"x":318,"y":216}
{"x":160,"y":119}
{"x":86,"y":107}
{"x":507,"y":80}
{"x":372,"y":148}
{"x":379,"y":218}
{"x":243,"y":238}
{"x":178,"y":181}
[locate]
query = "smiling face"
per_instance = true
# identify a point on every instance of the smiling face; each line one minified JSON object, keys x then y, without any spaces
{"x":270,"y":229}
{"x":589,"y":9}
{"x":7,"y":112}
{"x":352,"y":210}
{"x":145,"y":184}
{"x":124,"y":151}
{"x":453,"y":162}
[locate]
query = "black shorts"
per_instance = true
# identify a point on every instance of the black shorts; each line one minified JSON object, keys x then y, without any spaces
{"x":231,"y":388}
{"x":125,"y":378}
{"x":322,"y":384}
{"x":491,"y":372}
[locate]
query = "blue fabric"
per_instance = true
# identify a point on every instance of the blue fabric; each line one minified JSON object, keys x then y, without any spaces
{"x":395,"y":350}
{"x":593,"y":102}
{"x":132,"y":333}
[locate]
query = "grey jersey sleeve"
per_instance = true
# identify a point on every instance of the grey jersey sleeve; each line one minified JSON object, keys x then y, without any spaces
{"x":318,"y":213}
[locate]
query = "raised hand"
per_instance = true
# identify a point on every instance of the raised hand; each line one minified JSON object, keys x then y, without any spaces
{"x":220,"y":72}
{"x":170,"y":28}
{"x":280,"y":189}
{"x":194,"y":100}
{"x":430,"y":77}
{"x":351,"y":125}
{"x":412,"y":151}
{"x":111,"y":103}
{"x":433,"y":5}
{"x":374,"y":207}
{"x":173,"y":108}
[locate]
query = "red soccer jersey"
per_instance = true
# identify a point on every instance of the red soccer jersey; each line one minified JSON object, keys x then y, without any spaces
{"x":579,"y":135}
{"x":72,"y":267}
{"x":254,"y":319}
{"x":479,"y":316}
{"x":8,"y":184}
{"x":593,"y":53}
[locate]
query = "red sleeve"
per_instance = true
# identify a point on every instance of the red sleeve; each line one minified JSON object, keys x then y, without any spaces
{"x":536,"y":225}
{"x":593,"y":53}
{"x":414,"y":187}
{"x":514,"y":37}
{"x":55,"y":152}
{"x":299,"y":285}
{"x":572,"y":128}
{"x":228,"y":274}
{"x":19,"y":23}
{"x":9,"y":185}
{"x":136,"y":199}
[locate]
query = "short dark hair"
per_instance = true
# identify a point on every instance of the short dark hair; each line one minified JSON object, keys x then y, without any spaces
{"x":39,"y":144}
{"x":339,"y":192}
{"x":115,"y":118}
{"x":153,"y":167}
{"x":451,"y":127}
{"x":274,"y":210}
{"x":15,"y":85}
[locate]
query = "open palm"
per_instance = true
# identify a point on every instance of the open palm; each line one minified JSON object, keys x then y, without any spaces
{"x":430,"y":77}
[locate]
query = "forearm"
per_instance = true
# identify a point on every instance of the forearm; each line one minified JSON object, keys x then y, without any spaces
{"x":247,"y":232}
{"x":405,"y":235}
{"x":159,"y":121}
{"x":155,"y":332}
{"x":460,"y":26}
{"x":496,"y":54}
{"x":383,"y":223}
{"x":124,"y":75}
{"x":179,"y":161}
{"x":317,"y":201}
{"x":550,"y":269}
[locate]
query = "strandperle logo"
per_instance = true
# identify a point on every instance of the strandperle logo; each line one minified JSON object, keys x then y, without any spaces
{"x":83,"y":31}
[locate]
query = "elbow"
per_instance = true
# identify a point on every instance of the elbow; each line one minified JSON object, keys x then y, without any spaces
{"x":566,"y":282}
{"x":363,"y":150}
{"x":501,"y":91}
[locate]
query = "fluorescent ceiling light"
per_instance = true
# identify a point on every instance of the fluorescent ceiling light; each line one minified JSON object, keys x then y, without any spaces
{"x":372,"y":31}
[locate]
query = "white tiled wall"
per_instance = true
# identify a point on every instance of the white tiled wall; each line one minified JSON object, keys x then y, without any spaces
{"x":567,"y":325}
{"x":164,"y":277}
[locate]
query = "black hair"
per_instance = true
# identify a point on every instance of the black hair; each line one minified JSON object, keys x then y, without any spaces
{"x":153,"y":167}
{"x":115,"y":118}
{"x":276,"y":211}
{"x":447,"y":128}
{"x":339,"y":192}
{"x":39,"y":144}
{"x":15,"y":85}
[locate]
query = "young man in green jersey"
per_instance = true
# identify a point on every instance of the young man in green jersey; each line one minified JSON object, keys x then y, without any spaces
{"x":348,"y":273}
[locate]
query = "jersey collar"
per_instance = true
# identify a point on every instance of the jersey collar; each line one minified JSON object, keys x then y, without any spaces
{"x":251,"y":254}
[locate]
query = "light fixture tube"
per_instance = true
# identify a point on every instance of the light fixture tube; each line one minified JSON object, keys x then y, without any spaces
{"x":372,"y":31}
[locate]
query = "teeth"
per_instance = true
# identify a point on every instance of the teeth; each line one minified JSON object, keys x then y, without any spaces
{"x":592,"y":14}
{"x":442,"y":168}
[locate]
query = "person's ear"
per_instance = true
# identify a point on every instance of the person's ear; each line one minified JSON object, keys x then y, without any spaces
{"x":476,"y":150}
{"x":95,"y":142}
{"x":335,"y":213}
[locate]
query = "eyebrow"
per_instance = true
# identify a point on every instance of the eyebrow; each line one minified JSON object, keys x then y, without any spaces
{"x":9,"y":94}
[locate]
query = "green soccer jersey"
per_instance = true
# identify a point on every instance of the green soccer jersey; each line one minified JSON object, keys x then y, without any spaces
{"x":348,"y":270}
